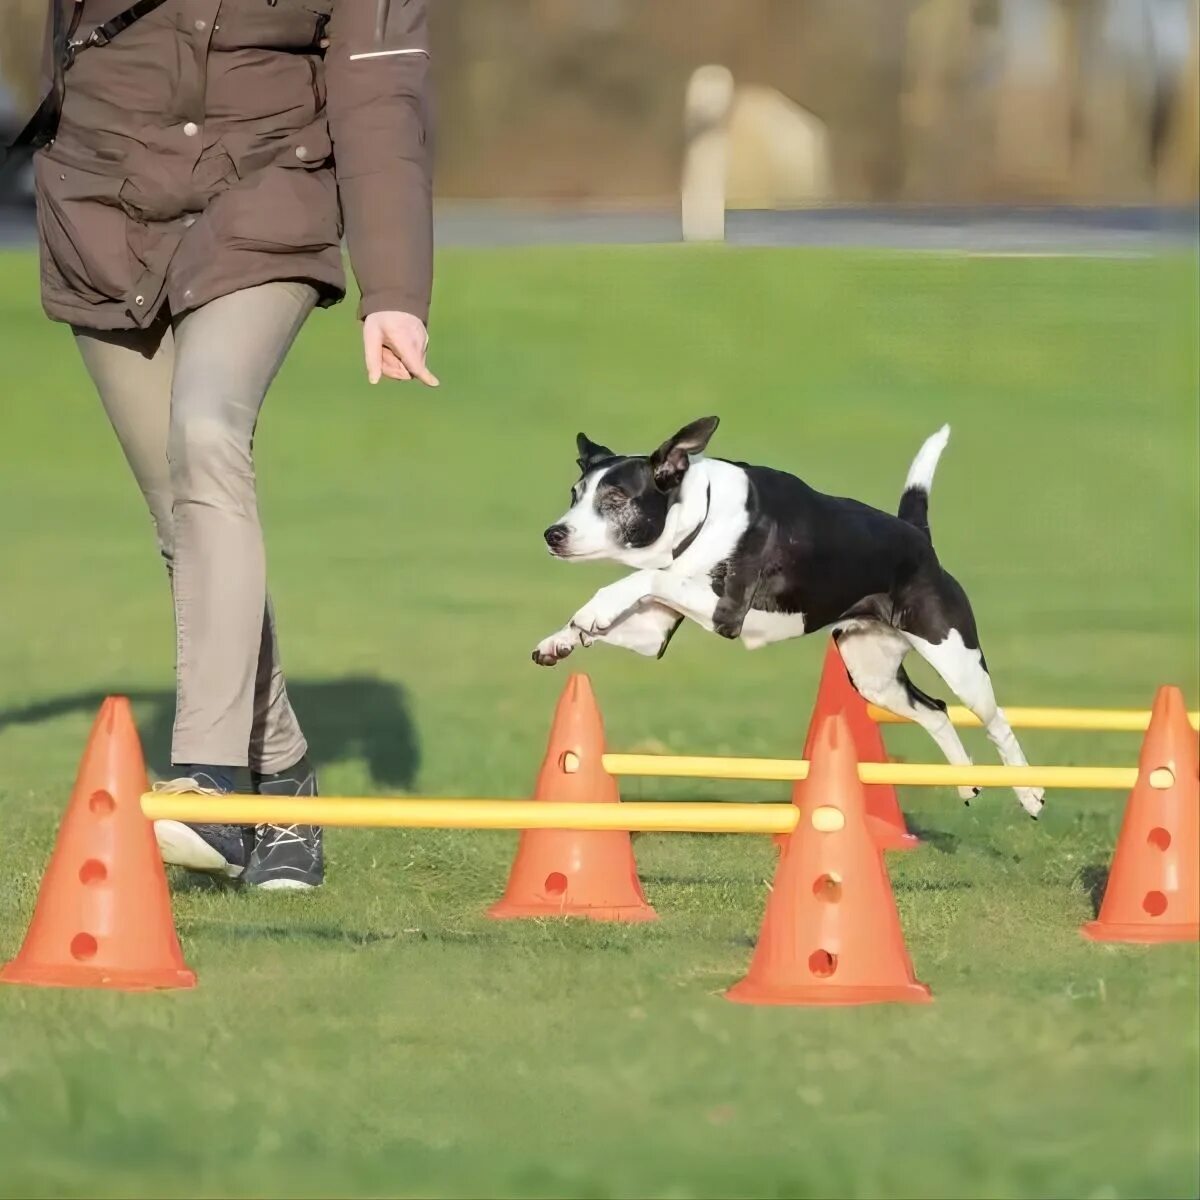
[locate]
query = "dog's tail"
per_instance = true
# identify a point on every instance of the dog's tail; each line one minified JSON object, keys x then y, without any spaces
{"x":914,"y":504}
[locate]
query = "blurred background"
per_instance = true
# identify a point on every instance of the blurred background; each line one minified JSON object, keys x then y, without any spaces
{"x":620,"y":105}
{"x":1041,"y":155}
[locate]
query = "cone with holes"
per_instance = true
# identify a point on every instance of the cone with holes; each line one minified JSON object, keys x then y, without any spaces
{"x":831,"y":933}
{"x":103,"y":914}
{"x":836,"y":694}
{"x":1153,"y":892}
{"x":575,"y":873}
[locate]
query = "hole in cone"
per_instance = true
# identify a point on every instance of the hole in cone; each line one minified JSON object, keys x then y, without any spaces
{"x":822,"y":964}
{"x":556,"y":883}
{"x":828,"y":819}
{"x":1162,"y":778}
{"x":568,"y":761}
{"x":828,"y":888}
{"x":1159,"y":838}
{"x":93,"y":871}
{"x":1155,"y":903}
{"x":84,"y":946}
{"x":102,"y":804}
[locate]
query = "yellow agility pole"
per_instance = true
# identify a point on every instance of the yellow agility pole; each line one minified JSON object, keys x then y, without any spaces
{"x":637,"y":815}
{"x":422,"y":813}
{"x":910,"y":774}
{"x":1111,"y":720}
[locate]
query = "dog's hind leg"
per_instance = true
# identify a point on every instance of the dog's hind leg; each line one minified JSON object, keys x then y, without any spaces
{"x":966,"y":674}
{"x":874,"y":654}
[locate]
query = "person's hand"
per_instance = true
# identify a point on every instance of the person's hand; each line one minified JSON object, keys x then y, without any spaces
{"x":394,"y":344}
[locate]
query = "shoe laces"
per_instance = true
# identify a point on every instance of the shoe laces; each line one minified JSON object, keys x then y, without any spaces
{"x":282,"y":835}
{"x":184,"y":786}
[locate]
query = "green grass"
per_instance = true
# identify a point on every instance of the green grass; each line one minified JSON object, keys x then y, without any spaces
{"x":382,"y":1037}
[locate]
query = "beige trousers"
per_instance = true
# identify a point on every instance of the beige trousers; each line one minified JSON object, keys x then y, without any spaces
{"x":184,"y":400}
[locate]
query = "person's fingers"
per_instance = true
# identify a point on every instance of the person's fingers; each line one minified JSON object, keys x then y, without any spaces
{"x":373,"y":350}
{"x":413,"y":356}
{"x":393,"y":367}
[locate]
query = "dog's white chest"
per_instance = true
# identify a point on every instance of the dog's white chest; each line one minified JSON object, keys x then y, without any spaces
{"x":762,"y":628}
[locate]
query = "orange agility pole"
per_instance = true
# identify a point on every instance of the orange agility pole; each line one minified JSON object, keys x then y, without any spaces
{"x":831,"y":933}
{"x":1153,"y":892}
{"x":583,"y":873}
{"x":103,"y":915}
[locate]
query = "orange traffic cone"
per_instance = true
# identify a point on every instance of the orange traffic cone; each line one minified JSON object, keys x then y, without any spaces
{"x":831,"y":933}
{"x":566,"y":872}
{"x":836,"y":694}
{"x":103,"y":915}
{"x":1153,"y":892}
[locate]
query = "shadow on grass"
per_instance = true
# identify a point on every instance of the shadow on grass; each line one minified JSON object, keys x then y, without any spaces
{"x":1094,"y":879}
{"x":947,"y":843}
{"x":360,"y":716}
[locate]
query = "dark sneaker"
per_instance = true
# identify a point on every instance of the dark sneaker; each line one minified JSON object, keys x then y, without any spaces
{"x":211,"y":849}
{"x":287,"y":856}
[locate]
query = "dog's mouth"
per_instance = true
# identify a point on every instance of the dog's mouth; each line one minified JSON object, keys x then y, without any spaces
{"x":568,"y":555}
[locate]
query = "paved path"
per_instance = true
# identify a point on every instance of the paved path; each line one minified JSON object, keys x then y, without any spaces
{"x":981,"y":231}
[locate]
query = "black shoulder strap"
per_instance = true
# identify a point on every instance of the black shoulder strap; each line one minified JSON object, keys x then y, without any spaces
{"x":103,"y":34}
{"x":64,"y":46}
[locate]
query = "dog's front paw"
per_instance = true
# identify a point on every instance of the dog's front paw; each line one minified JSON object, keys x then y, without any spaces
{"x":553,"y":649}
{"x":590,"y":623}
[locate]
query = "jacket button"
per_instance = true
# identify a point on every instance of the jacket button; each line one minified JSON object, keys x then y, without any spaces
{"x":201,"y":26}
{"x":301,"y":151}
{"x":191,"y":129}
{"x":139,"y":300}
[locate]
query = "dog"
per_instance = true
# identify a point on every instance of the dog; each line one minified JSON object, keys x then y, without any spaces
{"x":755,"y":554}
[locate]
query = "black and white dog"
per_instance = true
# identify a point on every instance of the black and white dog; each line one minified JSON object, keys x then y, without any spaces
{"x":753,"y":553}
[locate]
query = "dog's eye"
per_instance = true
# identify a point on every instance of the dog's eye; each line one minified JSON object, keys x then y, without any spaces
{"x":576,"y":492}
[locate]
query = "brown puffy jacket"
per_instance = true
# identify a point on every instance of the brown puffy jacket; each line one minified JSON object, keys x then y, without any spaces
{"x":219,"y":144}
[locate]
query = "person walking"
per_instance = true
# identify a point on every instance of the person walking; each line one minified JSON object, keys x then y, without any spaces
{"x":208,"y":157}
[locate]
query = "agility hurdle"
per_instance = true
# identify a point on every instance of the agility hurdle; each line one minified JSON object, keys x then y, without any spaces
{"x":1082,"y":720}
{"x":906,"y":774}
{"x":638,"y":816}
{"x":830,"y":934}
{"x":424,"y":813}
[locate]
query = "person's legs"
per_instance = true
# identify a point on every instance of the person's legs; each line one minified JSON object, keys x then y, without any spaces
{"x":132,"y":371}
{"x":231,"y":699}
{"x":193,"y":394}
{"x":232,"y":707}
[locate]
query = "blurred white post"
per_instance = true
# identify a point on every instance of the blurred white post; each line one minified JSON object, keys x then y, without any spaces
{"x":707,"y":105}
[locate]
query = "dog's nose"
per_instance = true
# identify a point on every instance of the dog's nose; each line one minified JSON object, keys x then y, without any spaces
{"x":556,"y":536}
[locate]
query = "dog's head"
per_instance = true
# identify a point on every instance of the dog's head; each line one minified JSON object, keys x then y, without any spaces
{"x":621,"y":502}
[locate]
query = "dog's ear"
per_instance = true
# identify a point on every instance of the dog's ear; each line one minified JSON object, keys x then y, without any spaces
{"x":670,"y":461}
{"x":590,"y":452}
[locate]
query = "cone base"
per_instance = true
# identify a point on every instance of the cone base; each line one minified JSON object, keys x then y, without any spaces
{"x":507,"y":910}
{"x":806,"y":994}
{"x":887,"y":837}
{"x":1140,"y":934}
{"x":74,"y":976}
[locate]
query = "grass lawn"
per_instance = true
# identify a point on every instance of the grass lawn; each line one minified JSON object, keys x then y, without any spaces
{"x":382,"y":1037}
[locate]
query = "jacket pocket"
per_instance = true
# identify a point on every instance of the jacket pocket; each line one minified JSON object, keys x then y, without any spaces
{"x":280,"y":210}
{"x":82,"y":231}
